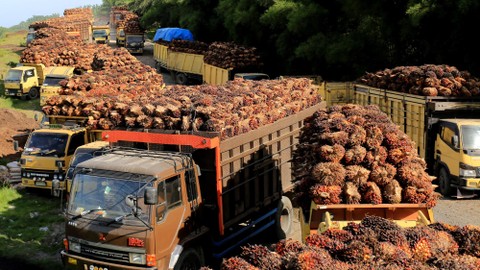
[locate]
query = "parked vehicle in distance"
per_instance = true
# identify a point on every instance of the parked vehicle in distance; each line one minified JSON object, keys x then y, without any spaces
{"x":101,"y":34}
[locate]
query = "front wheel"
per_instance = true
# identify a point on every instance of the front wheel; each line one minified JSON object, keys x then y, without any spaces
{"x":189,"y":259}
{"x":444,"y":182}
{"x":33,"y":93}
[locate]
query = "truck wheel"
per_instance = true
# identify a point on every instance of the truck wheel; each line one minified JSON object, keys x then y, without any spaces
{"x":190,"y":259}
{"x":33,"y":93}
{"x":444,"y":182}
{"x":181,"y":78}
{"x":284,"y":218}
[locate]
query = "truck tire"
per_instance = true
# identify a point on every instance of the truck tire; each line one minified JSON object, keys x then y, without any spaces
{"x":33,"y":93}
{"x":181,"y":78}
{"x":444,"y":182}
{"x":189,"y":259}
{"x":284,"y":218}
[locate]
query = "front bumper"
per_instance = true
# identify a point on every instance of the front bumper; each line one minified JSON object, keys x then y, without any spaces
{"x":71,"y":261}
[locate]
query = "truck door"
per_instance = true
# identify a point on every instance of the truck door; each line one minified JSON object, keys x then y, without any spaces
{"x":445,"y":150}
{"x":170,"y":214}
{"x":77,"y":139}
{"x":29,"y":80}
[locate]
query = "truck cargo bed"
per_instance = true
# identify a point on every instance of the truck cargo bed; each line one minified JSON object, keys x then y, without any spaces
{"x":239,"y":175}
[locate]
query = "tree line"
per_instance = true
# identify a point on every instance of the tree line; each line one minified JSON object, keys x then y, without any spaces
{"x":337,"y":39}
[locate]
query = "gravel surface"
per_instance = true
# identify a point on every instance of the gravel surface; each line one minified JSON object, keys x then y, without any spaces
{"x":458,"y":212}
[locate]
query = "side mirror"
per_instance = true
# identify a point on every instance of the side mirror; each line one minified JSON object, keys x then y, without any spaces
{"x":15,"y":146}
{"x":150,"y":196}
{"x":455,"y":141}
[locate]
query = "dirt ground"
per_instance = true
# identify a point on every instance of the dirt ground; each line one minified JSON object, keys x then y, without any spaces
{"x":13,"y":122}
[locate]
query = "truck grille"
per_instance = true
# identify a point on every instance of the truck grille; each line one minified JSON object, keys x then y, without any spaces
{"x":104,"y":254}
{"x":48,"y":175}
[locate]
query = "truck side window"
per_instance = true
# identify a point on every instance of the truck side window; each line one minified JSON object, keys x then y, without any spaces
{"x":447,"y":135}
{"x":76,"y":141}
{"x":28,"y":74}
{"x":172,"y":187}
{"x":161,"y":207}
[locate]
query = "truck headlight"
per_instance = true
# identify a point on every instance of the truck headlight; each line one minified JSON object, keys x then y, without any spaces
{"x":467,"y":170}
{"x":137,"y":258}
{"x":75,"y":247}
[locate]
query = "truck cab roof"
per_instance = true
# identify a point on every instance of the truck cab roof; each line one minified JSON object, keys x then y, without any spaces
{"x":163,"y":164}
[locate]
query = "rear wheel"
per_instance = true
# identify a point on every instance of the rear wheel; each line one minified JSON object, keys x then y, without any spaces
{"x":181,"y":78}
{"x":33,"y":93}
{"x":444,"y":182}
{"x":189,"y":259}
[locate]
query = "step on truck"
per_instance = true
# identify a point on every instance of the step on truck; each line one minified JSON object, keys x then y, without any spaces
{"x":49,"y":150}
{"x":446,"y":131}
{"x":189,"y":200}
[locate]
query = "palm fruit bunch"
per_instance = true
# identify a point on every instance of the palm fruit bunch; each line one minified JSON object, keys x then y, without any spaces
{"x":355,"y":154}
{"x":373,"y":243}
{"x":425,"y":80}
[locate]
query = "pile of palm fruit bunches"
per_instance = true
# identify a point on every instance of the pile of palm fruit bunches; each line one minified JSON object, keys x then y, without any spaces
{"x":115,"y":90}
{"x":374,"y":243}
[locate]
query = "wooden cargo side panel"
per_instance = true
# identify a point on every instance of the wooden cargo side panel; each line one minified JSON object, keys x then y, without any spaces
{"x":185,"y":62}
{"x":337,"y":93}
{"x":160,"y":54}
{"x":256,"y":169}
{"x":215,"y":75}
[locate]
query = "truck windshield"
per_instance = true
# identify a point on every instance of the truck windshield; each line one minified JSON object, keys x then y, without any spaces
{"x":471,"y":137}
{"x":109,"y":194}
{"x":134,"y":40}
{"x":13,"y":75}
{"x":46,"y":144}
{"x":100,"y":33}
{"x":52,"y":81}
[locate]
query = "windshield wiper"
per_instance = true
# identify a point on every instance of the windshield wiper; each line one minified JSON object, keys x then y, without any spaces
{"x":86,"y":212}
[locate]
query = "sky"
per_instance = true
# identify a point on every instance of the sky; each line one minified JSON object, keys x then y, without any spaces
{"x":14,"y":12}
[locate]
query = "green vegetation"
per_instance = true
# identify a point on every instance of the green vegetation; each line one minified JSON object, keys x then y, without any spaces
{"x":31,"y":228}
{"x":339,"y":40}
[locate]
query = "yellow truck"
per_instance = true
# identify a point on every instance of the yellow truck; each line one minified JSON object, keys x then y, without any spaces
{"x":101,"y":34}
{"x":446,"y":131}
{"x":49,"y":149}
{"x":51,"y":86}
{"x":31,"y":80}
{"x":24,"y":81}
{"x":120,"y":37}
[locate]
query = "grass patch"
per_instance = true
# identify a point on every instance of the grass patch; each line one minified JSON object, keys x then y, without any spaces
{"x":31,"y":228}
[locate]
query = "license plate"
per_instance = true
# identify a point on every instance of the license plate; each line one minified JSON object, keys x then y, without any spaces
{"x":94,"y":267}
{"x":40,"y":183}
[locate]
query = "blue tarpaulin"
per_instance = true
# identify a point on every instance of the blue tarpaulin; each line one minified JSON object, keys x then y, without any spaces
{"x":169,"y":34}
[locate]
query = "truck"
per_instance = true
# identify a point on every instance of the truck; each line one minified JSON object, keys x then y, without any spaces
{"x":51,"y":84}
{"x":444,"y":129}
{"x":101,"y":34}
{"x":186,"y":199}
{"x":160,"y":46}
{"x":135,"y":42}
{"x":24,"y":81}
{"x":82,"y":153}
{"x":49,"y":149}
{"x":217,"y":76}
{"x":120,"y":37}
